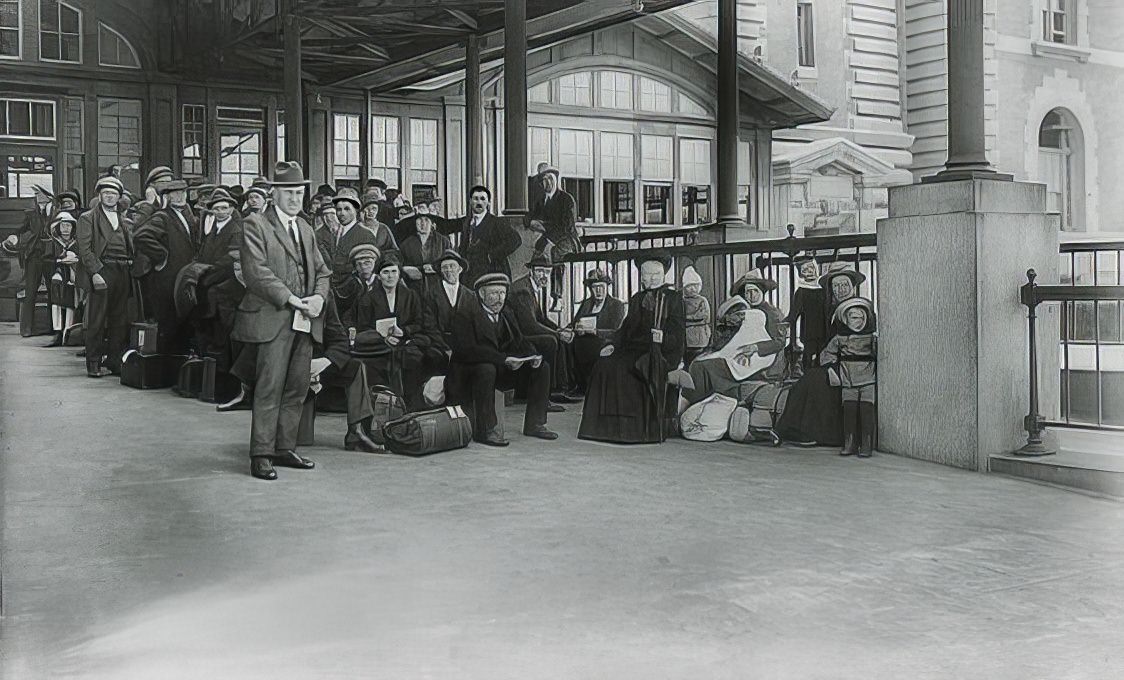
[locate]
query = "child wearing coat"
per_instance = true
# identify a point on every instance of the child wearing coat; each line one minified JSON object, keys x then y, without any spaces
{"x":61,"y":258}
{"x":851,"y":358}
{"x":698,"y":315}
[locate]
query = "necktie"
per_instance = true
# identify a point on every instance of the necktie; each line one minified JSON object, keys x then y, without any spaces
{"x":295,"y":233}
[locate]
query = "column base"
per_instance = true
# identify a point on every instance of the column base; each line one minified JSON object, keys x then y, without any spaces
{"x":1034,"y":449}
{"x":959,"y":174}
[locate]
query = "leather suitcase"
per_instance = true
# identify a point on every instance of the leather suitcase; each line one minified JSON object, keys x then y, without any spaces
{"x":74,"y":336}
{"x":143,"y":337}
{"x":189,"y":381}
{"x":150,"y":371}
{"x":387,"y":406}
{"x":427,"y":432}
{"x":217,"y":386}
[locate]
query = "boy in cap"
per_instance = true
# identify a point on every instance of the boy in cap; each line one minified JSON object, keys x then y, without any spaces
{"x":105,"y":251}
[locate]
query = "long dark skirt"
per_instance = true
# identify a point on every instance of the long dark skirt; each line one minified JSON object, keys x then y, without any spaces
{"x":814,"y":412}
{"x":618,"y":404}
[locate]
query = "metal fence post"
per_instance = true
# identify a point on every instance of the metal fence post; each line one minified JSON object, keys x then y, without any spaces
{"x":1035,"y":446}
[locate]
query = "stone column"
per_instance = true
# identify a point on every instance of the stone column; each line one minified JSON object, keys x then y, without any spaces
{"x":294,"y":100}
{"x":728,"y":113}
{"x":473,"y":114}
{"x":515,"y":106}
{"x":967,"y":156}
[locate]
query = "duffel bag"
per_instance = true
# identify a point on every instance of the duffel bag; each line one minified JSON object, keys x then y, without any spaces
{"x":426,"y":432}
{"x":709,"y":419}
{"x":149,"y":371}
{"x":387,"y":406}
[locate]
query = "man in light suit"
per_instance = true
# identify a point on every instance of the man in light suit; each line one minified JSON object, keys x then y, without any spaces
{"x":287,"y":284}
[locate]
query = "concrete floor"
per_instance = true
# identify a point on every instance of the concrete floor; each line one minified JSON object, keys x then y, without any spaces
{"x":135,"y":545}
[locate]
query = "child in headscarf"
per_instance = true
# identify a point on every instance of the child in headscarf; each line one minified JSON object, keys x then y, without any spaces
{"x":851,"y":358}
{"x":698,"y":314}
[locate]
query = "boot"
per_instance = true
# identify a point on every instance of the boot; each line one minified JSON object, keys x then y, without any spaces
{"x":868,"y":425}
{"x":357,"y":438}
{"x":55,"y":341}
{"x":850,"y":428}
{"x":94,"y":368}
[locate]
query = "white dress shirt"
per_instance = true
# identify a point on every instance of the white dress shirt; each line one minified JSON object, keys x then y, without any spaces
{"x":291,"y":222}
{"x":451,"y":292}
{"x":113,"y":217}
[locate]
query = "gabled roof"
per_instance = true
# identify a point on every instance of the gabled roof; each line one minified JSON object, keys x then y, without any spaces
{"x":805,"y":159}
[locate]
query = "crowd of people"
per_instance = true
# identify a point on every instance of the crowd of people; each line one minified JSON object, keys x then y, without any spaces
{"x":354,"y":287}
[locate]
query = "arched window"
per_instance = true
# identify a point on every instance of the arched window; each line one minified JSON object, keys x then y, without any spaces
{"x":114,"y":49}
{"x":1061,"y":162}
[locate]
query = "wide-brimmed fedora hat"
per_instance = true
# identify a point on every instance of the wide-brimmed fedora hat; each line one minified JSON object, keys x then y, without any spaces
{"x":376,"y":182}
{"x":219,"y":195}
{"x":549,"y":170}
{"x":539,"y":260}
{"x":288,"y":174}
{"x":493,"y":279}
{"x":597,"y":276}
{"x":841,"y":269}
{"x":453,"y":255}
{"x":752,"y":278}
{"x":851,"y":303}
{"x":348,"y":195}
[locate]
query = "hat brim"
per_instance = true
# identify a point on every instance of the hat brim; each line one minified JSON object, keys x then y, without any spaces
{"x":347,"y":199}
{"x":765,"y":285}
{"x":857,"y":277}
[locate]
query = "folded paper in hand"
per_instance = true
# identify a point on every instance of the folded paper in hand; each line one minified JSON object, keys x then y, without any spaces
{"x":385,"y":326}
{"x":301,"y":323}
{"x":519,"y":361}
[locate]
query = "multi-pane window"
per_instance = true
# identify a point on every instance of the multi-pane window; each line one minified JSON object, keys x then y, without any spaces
{"x":539,"y":146}
{"x":20,"y":172}
{"x":616,"y":90}
{"x":27,"y":119}
{"x":345,"y":146}
{"x":241,"y":131}
{"x":10,"y":29}
{"x":745,"y":181}
{"x":690,"y":106}
{"x":657,"y":167}
{"x":805,"y":34}
{"x":1057,"y":22}
{"x":539,"y":94}
{"x":193,"y":140}
{"x":575,"y":153}
{"x":73,"y":141}
{"x":423,"y":157}
{"x":114,"y":49}
{"x":60,"y":32}
{"x":694,"y":173}
{"x":654,"y":96}
{"x":575,"y":89}
{"x":386,"y":160}
{"x":119,"y":138}
{"x":280,"y":135}
{"x":618,"y":169}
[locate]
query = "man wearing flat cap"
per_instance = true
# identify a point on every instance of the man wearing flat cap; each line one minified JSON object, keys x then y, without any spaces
{"x":287,"y":285}
{"x":168,"y":241}
{"x":152,"y":202}
{"x":256,"y":197}
{"x":489,"y":351}
{"x":105,"y":252}
{"x":361,"y":280}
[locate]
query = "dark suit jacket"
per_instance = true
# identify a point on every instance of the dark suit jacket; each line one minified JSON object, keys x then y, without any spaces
{"x":92,"y":232}
{"x":338,"y":254}
{"x":476,"y":340}
{"x":271,"y":272}
{"x":559,"y":218}
{"x":162,"y":239}
{"x":414,"y":254}
{"x":35,"y":233}
{"x":528,"y":309}
{"x":221,"y":251}
{"x":609,"y":319}
{"x":439,"y":313}
{"x":487,"y":247}
{"x":374,"y":305}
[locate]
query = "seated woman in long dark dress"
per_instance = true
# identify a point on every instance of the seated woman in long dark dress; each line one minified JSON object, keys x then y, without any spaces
{"x":420,"y":252}
{"x":596,"y":320}
{"x":627,"y":398}
{"x":814,"y":412}
{"x":748,"y":356}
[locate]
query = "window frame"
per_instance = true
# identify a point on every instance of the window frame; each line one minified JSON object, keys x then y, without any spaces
{"x":617,"y":93}
{"x":6,"y":101}
{"x":1069,"y":19}
{"x":805,"y":34}
{"x":380,"y":171}
{"x":18,"y":56}
{"x":202,"y":158}
{"x":125,"y":41}
{"x":416,"y":168}
{"x":348,"y":142}
{"x":140,"y":136}
{"x":59,"y":33}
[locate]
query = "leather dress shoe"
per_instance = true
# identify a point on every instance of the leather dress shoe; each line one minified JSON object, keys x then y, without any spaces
{"x":243,"y":402}
{"x":290,"y":459}
{"x":357,"y":440}
{"x":493,"y":439}
{"x":262,"y":468}
{"x":563,"y":398}
{"x":55,"y":341}
{"x":541,"y":432}
{"x":551,"y":407}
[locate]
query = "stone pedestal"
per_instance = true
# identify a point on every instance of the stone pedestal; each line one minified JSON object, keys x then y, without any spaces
{"x":953,"y":351}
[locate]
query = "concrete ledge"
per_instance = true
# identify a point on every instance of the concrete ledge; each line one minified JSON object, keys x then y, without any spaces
{"x":967,"y":196}
{"x":1096,"y":472}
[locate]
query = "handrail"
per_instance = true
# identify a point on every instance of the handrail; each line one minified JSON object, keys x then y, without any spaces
{"x":1089,"y":246}
{"x":1076,"y":293}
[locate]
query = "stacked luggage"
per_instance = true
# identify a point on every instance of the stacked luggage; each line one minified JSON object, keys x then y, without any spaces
{"x":142,"y":367}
